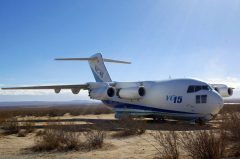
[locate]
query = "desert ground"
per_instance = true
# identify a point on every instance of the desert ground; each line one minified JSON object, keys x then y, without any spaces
{"x":127,"y":147}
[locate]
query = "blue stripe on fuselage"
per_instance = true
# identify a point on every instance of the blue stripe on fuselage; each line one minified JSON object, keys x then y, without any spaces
{"x":120,"y":105}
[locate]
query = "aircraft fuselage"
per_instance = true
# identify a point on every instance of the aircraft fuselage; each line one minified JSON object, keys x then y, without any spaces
{"x":170,"y":98}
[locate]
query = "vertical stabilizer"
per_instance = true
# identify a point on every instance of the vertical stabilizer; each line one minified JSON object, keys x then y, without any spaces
{"x":98,"y":68}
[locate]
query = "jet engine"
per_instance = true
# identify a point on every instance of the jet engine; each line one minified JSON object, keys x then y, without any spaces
{"x":102,"y":93}
{"x":224,"y":91}
{"x":131,"y":93}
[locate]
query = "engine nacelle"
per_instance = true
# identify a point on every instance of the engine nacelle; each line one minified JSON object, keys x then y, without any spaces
{"x":224,"y":91}
{"x":57,"y":90}
{"x":102,"y":93}
{"x":75,"y":90}
{"x":131,"y":93}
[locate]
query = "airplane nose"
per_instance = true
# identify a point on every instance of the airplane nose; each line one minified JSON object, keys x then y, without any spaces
{"x":216,"y":102}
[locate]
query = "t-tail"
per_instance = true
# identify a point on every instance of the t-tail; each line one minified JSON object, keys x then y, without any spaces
{"x":97,"y":66}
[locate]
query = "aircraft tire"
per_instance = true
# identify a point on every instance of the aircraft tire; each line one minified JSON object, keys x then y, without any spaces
{"x":159,"y":119}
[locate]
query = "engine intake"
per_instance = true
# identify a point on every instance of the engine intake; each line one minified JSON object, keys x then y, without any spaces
{"x":131,"y":93}
{"x":102,"y":93}
{"x":110,"y":92}
{"x":224,"y":91}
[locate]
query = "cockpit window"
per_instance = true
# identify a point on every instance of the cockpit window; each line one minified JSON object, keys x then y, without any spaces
{"x":196,"y":88}
{"x":190,"y":89}
{"x":205,"y":87}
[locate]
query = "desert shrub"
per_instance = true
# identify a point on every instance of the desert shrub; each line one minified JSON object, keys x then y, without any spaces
{"x":231,"y":123}
{"x":94,"y":139}
{"x":204,"y":144}
{"x":28,"y":126}
{"x":233,"y":150}
{"x":130,"y":127}
{"x":40,"y":132}
{"x":3,"y":118}
{"x":57,"y":138}
{"x":22,"y":133}
{"x":61,"y":138}
{"x":167,"y":144}
{"x":11,"y":126}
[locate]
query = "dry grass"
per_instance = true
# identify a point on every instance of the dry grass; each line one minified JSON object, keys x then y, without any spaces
{"x":204,"y":144}
{"x":4,"y":117}
{"x":54,"y":111}
{"x":22,"y":133}
{"x":11,"y":126}
{"x":8,"y":115}
{"x":201,"y":144}
{"x":60,"y":138}
{"x":57,"y":138}
{"x":228,"y":108}
{"x":231,"y":123}
{"x":130,"y":127}
{"x":94,"y":139}
{"x":167,"y":144}
{"x":28,"y":126}
{"x":40,"y":132}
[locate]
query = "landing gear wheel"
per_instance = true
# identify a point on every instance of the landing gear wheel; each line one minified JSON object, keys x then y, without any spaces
{"x":125,"y":116}
{"x":159,"y":119}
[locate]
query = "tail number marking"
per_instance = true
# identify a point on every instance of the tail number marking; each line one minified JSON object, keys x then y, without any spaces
{"x":174,"y":99}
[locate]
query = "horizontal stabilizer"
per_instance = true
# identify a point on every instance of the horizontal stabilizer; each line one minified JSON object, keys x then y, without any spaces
{"x":116,"y":61}
{"x":77,"y":59}
{"x":92,"y":59}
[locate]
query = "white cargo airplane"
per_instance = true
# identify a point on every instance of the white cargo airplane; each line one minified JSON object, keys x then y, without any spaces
{"x":182,"y":99}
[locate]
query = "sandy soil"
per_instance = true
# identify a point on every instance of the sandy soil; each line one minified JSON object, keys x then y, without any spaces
{"x":133,"y":147}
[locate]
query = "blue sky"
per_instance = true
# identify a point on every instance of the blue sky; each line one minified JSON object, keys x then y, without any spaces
{"x":177,"y":38}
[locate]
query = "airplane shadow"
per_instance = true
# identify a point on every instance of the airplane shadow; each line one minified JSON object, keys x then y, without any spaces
{"x":116,"y":125}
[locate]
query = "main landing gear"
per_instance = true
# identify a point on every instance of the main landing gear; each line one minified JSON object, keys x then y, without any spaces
{"x":159,"y":119}
{"x":200,"y":121}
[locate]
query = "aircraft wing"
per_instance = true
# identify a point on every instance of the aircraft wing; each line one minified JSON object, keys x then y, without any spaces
{"x":74,"y":88}
{"x":218,"y":85}
{"x":223,"y":90}
{"x":55,"y":87}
